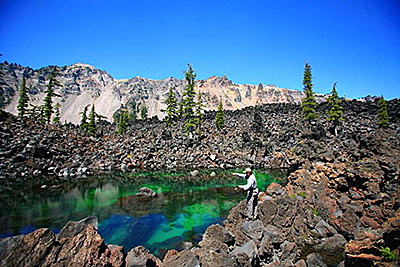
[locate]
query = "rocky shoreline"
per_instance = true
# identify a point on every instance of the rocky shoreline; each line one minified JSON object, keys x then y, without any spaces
{"x":340,"y":206}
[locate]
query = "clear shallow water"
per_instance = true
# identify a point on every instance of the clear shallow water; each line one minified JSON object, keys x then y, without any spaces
{"x":182,"y":210}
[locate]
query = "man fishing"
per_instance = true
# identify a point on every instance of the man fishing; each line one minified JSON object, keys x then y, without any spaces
{"x":251,"y":186}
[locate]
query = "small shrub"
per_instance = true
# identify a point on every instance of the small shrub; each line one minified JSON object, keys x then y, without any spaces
{"x":316,"y":212}
{"x":302,"y":194}
{"x":389,"y":255}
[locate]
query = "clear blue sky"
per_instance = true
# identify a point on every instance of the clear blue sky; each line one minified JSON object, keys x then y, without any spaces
{"x":356,"y":42}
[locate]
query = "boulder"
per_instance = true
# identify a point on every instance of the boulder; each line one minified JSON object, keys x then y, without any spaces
{"x":275,"y":189}
{"x":146,"y":192}
{"x":273,"y":233}
{"x":331,"y":249}
{"x":215,"y":257}
{"x":141,"y":257}
{"x":29,"y":250}
{"x":267,"y":211}
{"x":186,"y":258}
{"x":73,"y":228}
{"x":315,"y":260}
{"x":217,"y":237}
{"x":301,"y":263}
{"x":362,"y":252}
{"x":391,"y":233}
{"x":266,"y":249}
{"x":219,"y":233}
{"x":253,"y":229}
{"x":246,"y":255}
{"x":289,"y":252}
{"x":323,"y":229}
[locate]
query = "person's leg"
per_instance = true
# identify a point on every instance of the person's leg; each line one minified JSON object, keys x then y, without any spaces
{"x":255,"y":205}
{"x":250,"y":202}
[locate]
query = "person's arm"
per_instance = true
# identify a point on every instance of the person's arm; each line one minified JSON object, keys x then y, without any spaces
{"x":241,"y":175}
{"x":249,"y":183}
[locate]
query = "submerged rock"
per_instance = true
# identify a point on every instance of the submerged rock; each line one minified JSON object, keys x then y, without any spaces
{"x":146,"y":192}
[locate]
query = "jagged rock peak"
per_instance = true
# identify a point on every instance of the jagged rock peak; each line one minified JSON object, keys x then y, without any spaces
{"x":82,"y":65}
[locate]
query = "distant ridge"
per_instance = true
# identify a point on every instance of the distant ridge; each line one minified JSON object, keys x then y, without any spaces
{"x":83,"y":84}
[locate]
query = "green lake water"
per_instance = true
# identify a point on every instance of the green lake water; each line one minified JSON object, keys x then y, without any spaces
{"x":181,"y":212}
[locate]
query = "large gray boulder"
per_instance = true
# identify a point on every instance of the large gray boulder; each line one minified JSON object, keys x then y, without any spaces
{"x":315,"y":260}
{"x":253,"y":229}
{"x":215,"y":257}
{"x":186,"y":258}
{"x":246,"y":255}
{"x":141,"y":257}
{"x":332,"y":249}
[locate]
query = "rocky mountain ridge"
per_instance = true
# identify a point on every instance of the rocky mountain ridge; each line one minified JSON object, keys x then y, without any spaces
{"x":83,"y":84}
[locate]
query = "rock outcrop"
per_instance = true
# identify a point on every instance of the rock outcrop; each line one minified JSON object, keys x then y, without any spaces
{"x":78,"y":244}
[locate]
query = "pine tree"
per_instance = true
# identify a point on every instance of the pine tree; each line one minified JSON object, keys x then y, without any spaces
{"x":172,"y":108}
{"x":56,"y":118}
{"x":41,"y":114}
{"x":133,"y":114}
{"x":23,"y":99}
{"x":48,"y":100}
{"x":188,"y":99}
{"x":383,"y":118}
{"x":219,"y":119}
{"x":84,"y":123}
{"x":143,"y":112}
{"x":308,"y":103}
{"x":335,"y":110}
{"x":91,"y":127}
{"x":180,"y":110}
{"x":199,"y":111}
{"x":123,"y":122}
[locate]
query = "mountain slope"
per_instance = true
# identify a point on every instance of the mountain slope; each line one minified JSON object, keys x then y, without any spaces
{"x":83,"y":84}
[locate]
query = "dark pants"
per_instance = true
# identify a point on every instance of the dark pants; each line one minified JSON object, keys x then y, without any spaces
{"x":252,"y":203}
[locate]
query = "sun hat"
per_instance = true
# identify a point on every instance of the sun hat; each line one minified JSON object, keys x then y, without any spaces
{"x":247,"y":170}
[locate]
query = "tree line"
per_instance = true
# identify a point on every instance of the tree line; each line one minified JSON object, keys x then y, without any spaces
{"x":44,"y":112}
{"x":335,"y":112}
{"x":190,"y":109}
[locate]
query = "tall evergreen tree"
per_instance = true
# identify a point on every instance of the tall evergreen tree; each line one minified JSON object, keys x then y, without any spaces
{"x":308,"y":103}
{"x":199,"y":111}
{"x":84,"y":122}
{"x":180,"y":110}
{"x":188,"y":99}
{"x":91,"y":127}
{"x":143,"y":112}
{"x":219,"y":119}
{"x":335,"y":110}
{"x":172,"y":108}
{"x":48,"y":100}
{"x":56,"y":118}
{"x":123,"y":122}
{"x":41,"y":113}
{"x":133,"y":113}
{"x":383,"y":118}
{"x":23,"y":99}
